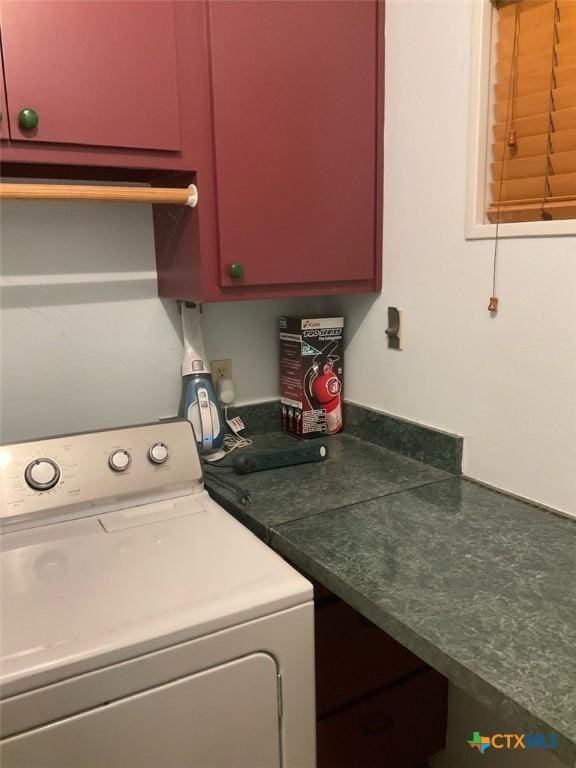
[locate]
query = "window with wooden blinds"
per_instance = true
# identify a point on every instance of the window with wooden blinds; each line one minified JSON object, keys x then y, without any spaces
{"x":534,"y":115}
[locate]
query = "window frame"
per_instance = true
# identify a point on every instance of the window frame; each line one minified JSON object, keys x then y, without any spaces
{"x":479,"y":128}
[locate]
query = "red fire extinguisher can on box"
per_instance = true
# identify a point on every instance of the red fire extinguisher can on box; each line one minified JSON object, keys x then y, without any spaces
{"x":325,"y":389}
{"x":311,"y":374}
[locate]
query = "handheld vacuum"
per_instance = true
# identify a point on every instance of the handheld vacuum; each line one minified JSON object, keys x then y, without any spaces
{"x":199,"y":401}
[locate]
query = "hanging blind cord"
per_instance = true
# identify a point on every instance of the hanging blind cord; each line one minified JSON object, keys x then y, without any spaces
{"x":555,"y":18}
{"x":509,"y":126}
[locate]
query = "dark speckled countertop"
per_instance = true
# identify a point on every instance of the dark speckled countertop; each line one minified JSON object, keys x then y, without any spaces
{"x":480,"y":585}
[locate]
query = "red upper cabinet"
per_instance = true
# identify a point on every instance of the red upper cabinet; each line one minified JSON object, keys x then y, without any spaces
{"x":274,"y":108}
{"x":295,"y":131}
{"x":92,"y":73}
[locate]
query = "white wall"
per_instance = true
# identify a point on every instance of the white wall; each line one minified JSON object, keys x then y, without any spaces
{"x":86,"y":343}
{"x":78,"y":354}
{"x":508,"y":384}
{"x":247,"y":333}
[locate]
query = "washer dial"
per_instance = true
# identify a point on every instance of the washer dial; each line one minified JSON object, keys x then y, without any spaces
{"x":158,"y":453}
{"x":119,"y":460}
{"x":42,"y":474}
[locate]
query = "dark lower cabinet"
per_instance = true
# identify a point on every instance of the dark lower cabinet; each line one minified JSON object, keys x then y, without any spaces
{"x":397,"y":727}
{"x":354,"y":657}
{"x":377,"y":703}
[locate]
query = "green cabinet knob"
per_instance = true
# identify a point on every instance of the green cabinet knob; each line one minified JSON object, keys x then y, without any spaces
{"x":28,"y":118}
{"x":236,"y":270}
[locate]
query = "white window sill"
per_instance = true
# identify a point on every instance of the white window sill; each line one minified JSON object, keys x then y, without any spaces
{"x":555,"y":228}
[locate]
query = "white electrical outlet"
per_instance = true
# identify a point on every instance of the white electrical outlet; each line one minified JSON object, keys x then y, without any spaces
{"x":221,"y":369}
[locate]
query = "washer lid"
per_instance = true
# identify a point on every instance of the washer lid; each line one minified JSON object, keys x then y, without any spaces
{"x":86,"y":593}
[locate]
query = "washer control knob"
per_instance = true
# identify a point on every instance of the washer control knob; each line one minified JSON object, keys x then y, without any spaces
{"x":158,"y":453}
{"x":42,"y":474}
{"x":119,"y":460}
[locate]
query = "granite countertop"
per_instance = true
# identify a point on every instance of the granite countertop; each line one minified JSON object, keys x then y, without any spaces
{"x":480,"y":585}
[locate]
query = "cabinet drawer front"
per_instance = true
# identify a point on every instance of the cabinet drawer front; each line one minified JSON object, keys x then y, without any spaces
{"x":400,"y":727}
{"x":354,"y":657}
{"x":96,"y":73}
{"x":294,"y":89}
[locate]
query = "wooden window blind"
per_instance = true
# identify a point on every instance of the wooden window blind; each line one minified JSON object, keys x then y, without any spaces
{"x":534,"y":116}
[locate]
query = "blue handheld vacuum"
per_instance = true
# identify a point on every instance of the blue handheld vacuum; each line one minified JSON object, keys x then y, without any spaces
{"x":200,"y":402}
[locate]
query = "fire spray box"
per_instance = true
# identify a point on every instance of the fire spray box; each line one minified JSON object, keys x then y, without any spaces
{"x":311,"y":375}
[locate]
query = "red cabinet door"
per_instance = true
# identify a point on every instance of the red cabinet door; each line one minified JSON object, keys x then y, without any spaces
{"x":97,"y":73}
{"x":295,"y":122}
{"x":4,"y":133}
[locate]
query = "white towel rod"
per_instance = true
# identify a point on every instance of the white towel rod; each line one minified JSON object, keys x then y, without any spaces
{"x":159,"y":195}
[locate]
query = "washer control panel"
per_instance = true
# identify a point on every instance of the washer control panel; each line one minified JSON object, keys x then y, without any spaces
{"x":85,"y":471}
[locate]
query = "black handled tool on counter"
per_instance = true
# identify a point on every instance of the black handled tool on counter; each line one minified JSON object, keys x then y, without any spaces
{"x":219,"y":483}
{"x":256,"y":461}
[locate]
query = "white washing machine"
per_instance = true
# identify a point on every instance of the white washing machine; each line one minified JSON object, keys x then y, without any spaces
{"x":142,"y":626}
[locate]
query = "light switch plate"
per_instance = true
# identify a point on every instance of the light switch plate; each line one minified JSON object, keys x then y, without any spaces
{"x":394,"y":331}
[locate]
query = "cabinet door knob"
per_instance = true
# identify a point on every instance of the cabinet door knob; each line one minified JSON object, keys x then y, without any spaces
{"x":236,"y":270}
{"x":28,"y":118}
